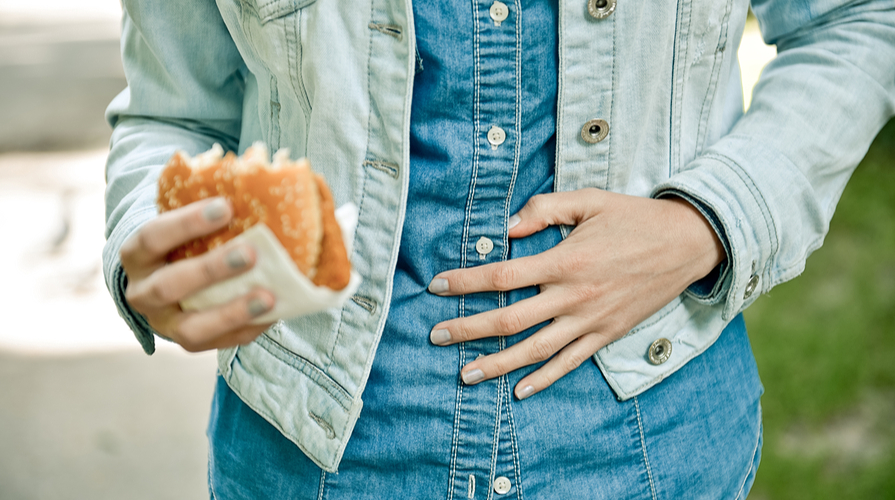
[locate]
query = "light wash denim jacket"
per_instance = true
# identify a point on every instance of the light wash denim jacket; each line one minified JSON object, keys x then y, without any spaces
{"x":332,"y":80}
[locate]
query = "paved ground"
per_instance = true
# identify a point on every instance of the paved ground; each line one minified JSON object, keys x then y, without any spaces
{"x":83,"y":413}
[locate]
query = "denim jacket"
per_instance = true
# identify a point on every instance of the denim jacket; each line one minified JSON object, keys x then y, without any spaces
{"x":649,"y":104}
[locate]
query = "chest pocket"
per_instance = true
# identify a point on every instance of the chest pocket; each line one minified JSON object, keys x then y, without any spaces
{"x":270,"y":36}
{"x":270,"y":10}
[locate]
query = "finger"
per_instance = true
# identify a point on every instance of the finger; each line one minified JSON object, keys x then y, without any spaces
{"x":202,"y":330}
{"x":496,"y":322}
{"x":552,"y":209}
{"x":158,"y":237}
{"x":566,"y":360}
{"x":539,"y":347}
{"x":170,"y":284}
{"x":499,"y":276}
{"x":240,"y":336}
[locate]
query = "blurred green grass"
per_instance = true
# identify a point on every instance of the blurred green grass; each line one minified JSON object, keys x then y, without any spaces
{"x":825,"y":346}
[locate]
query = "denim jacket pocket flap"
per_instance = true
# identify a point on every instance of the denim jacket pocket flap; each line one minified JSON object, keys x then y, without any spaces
{"x":269,"y":10}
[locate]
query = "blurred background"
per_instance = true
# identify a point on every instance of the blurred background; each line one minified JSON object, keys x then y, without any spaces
{"x":85,"y":414}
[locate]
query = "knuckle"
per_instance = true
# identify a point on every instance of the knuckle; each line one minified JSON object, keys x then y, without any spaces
{"x":503,"y":277}
{"x":161,"y":292}
{"x":570,"y":362}
{"x":538,"y":202}
{"x":541,"y":349}
{"x":509,"y":322}
{"x":208,"y":269}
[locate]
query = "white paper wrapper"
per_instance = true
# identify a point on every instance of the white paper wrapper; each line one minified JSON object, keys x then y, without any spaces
{"x":275,"y":271}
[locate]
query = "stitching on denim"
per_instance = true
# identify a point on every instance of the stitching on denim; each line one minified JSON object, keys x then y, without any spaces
{"x":705,"y":112}
{"x":612,"y":93}
{"x":210,"y":477}
{"x":387,"y":167}
{"x":455,"y":438}
{"x":501,"y":383}
{"x":276,"y":424}
{"x":296,"y":54}
{"x":517,"y":146}
{"x":512,"y":432}
{"x":322,"y":486}
{"x":475,"y":141}
{"x":649,"y":472}
{"x":365,"y":302}
{"x":330,"y":386}
{"x":392,"y":30}
{"x":751,"y":462}
{"x":677,"y":82}
{"x":560,"y":88}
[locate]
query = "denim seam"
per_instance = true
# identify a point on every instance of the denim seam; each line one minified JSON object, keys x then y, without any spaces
{"x":210,"y":476}
{"x":475,"y":142}
{"x":310,"y":370}
{"x":455,"y":439}
{"x":322,"y":486}
{"x":677,"y":94}
{"x":501,"y":383}
{"x":518,"y":129}
{"x":607,"y":185}
{"x":713,"y":81}
{"x":649,"y":472}
{"x":752,"y":461}
{"x":508,"y":398}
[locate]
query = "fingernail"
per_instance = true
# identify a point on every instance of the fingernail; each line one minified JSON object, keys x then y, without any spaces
{"x":438,"y":285}
{"x":215,"y":210}
{"x":473,"y":376}
{"x":525,"y":392}
{"x":257,"y":307}
{"x":237,"y":258}
{"x":440,"y":336}
{"x":513,"y":222}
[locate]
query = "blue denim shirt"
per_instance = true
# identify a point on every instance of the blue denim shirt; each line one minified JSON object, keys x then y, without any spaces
{"x":333,"y":81}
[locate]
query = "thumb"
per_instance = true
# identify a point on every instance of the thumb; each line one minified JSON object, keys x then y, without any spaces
{"x":553,"y":209}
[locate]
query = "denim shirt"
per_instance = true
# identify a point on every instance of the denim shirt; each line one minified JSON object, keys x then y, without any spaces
{"x":333,"y":80}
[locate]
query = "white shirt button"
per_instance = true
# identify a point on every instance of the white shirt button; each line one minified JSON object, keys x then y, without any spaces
{"x":499,"y":12}
{"x":496,"y":136}
{"x":484,"y":246}
{"x":502,"y":485}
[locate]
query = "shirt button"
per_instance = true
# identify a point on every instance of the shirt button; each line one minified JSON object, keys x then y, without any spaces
{"x":502,"y":485}
{"x":499,"y":12}
{"x":594,"y":131}
{"x":484,"y":246}
{"x":751,"y":286}
{"x":659,"y":351}
{"x":496,"y":136}
{"x":600,"y":9}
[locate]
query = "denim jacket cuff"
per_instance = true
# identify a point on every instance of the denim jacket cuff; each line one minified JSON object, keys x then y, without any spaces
{"x":734,"y":206}
{"x":116,"y":279}
{"x":710,"y":289}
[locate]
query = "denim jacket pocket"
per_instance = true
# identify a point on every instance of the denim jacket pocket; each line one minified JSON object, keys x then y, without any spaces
{"x":270,"y":10}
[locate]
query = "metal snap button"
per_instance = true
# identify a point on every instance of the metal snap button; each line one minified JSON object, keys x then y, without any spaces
{"x":659,"y":351}
{"x":484,"y":246}
{"x":751,"y":286}
{"x":594,"y":131}
{"x":496,"y":136}
{"x":499,"y":12}
{"x":502,"y":485}
{"x":600,"y":9}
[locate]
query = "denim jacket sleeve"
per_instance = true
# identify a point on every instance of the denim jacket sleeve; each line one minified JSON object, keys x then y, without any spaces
{"x":173,"y":65}
{"x":773,"y":182}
